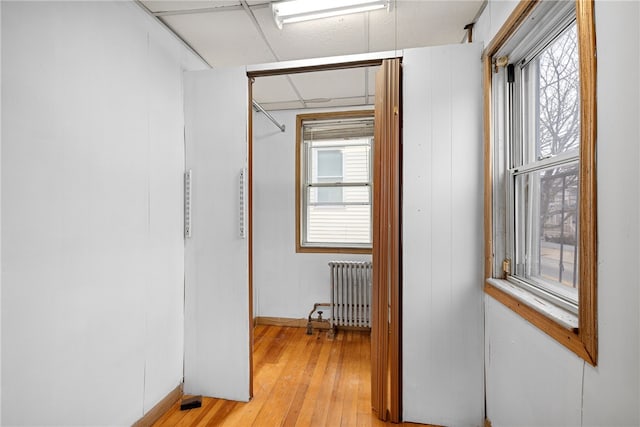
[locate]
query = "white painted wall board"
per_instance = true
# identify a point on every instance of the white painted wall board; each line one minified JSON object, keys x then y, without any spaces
{"x":87,"y":189}
{"x":286,"y":283}
{"x":531,"y":381}
{"x":216,"y":340}
{"x":164,"y":324}
{"x":442,"y":254}
{"x":612,"y":391}
{"x":607,"y":394}
{"x":66,"y":228}
{"x":495,"y":14}
{"x":0,"y":211}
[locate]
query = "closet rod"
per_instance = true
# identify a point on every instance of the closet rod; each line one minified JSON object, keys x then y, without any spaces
{"x":258,"y":107}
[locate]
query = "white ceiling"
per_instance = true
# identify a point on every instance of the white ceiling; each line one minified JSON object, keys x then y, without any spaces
{"x":233,"y":33}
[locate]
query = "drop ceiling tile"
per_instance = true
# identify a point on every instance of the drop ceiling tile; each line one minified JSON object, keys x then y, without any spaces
{"x":421,"y":23}
{"x":226,"y":38}
{"x":273,"y":89}
{"x":173,"y":5}
{"x":274,"y":106}
{"x":342,"y":102}
{"x":331,"y":84}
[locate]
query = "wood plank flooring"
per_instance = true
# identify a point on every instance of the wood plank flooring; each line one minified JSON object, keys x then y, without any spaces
{"x":299,"y":380}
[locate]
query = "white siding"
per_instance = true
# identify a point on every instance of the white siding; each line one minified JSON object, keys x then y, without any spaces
{"x":348,"y":224}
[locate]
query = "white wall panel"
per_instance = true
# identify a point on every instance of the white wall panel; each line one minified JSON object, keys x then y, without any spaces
{"x":286,"y":283}
{"x":494,"y":15}
{"x":164,"y":322}
{"x":531,"y":379}
{"x":216,"y":284}
{"x":612,"y":390}
{"x":0,"y":213}
{"x":92,"y":268}
{"x":442,"y":232}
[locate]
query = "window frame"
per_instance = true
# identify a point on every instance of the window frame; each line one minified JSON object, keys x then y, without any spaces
{"x":300,"y":184}
{"x":577,"y":333}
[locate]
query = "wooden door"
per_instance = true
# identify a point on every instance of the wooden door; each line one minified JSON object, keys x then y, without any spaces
{"x":386,"y":327}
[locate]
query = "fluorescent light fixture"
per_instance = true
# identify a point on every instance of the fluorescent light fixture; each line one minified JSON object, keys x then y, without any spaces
{"x":286,"y":12}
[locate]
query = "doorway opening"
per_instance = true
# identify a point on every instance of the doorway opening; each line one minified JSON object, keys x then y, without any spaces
{"x":284,"y":277}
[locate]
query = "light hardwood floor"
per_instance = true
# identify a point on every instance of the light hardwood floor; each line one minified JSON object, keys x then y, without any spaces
{"x":299,"y":380}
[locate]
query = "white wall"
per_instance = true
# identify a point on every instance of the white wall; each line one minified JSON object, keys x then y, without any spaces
{"x":495,"y":14}
{"x":216,"y":257}
{"x":92,"y":248}
{"x":286,"y":283}
{"x":531,"y":379}
{"x":0,"y":213}
{"x":442,"y":236}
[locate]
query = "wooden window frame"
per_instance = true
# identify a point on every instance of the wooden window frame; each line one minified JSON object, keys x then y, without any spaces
{"x":583,"y":341}
{"x":300,"y":119}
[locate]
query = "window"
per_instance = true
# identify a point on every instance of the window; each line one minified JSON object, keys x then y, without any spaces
{"x":328,"y":170}
{"x":334,"y":177}
{"x":540,"y":170}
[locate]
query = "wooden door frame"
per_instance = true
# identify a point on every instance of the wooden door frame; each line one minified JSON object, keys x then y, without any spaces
{"x":388,"y":379}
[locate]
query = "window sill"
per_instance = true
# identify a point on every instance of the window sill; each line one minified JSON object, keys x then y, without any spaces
{"x":563,"y":317}
{"x":559,"y":324}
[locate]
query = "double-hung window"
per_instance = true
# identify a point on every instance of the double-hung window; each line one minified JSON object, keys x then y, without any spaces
{"x":334,"y":178}
{"x":541,"y":246}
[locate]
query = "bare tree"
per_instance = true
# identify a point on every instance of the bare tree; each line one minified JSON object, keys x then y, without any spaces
{"x":559,"y":131}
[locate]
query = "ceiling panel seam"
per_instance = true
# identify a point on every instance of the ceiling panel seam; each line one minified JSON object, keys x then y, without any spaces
{"x":213,"y":9}
{"x":249,"y":12}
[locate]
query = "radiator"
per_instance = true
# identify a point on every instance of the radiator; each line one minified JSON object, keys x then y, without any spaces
{"x":350,"y":293}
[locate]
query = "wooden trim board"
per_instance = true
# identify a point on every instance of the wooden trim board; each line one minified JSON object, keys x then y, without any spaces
{"x":588,"y":239}
{"x":250,"y":226}
{"x":161,"y":408}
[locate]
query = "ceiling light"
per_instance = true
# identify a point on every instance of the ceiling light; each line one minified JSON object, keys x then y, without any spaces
{"x":286,"y":12}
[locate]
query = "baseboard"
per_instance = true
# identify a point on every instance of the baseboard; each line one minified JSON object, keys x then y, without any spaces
{"x":301,"y":323}
{"x":288,"y":321}
{"x":160,"y":409}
